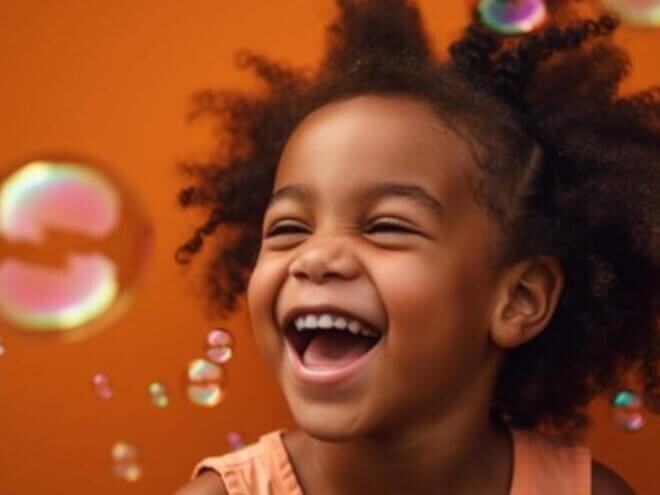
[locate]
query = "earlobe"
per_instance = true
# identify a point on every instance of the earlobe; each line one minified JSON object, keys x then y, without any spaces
{"x":526,"y":300}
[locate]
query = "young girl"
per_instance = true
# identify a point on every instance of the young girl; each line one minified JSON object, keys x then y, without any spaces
{"x":444,"y":261}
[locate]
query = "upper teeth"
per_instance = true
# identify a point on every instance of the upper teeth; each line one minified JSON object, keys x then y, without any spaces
{"x":327,"y":320}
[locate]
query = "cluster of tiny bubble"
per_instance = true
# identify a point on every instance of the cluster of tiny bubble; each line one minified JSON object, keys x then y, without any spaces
{"x":626,"y":410}
{"x":158,"y":394}
{"x":205,"y":377}
{"x":102,"y":386}
{"x":220,"y":345}
{"x":126,"y":461}
{"x":205,"y":387}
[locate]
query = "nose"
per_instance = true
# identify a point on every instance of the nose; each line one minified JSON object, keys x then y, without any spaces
{"x":324,"y":258}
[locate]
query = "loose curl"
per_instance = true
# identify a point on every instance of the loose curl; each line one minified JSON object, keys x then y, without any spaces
{"x":569,"y":168}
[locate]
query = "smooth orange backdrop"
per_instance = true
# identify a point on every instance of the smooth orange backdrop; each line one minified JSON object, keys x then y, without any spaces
{"x":112,"y":81}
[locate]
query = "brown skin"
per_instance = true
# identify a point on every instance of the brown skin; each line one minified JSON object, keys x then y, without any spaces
{"x":394,"y":435}
{"x":447,"y":310}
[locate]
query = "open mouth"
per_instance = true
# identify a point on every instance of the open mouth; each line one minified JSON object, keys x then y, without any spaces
{"x":329,"y":348}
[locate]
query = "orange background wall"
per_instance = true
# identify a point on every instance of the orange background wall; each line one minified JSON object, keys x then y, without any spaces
{"x":112,"y":81}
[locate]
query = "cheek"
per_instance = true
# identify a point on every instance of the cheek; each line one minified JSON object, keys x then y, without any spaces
{"x":434,"y":310}
{"x":263,"y":286}
{"x":415,"y":289}
{"x":262,"y":290}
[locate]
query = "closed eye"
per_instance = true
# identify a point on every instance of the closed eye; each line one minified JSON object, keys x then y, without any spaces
{"x":285,"y":228}
{"x":376,"y":227}
{"x":390,"y":227}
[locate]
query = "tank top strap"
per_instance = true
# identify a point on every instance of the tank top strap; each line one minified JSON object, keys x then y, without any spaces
{"x":241,"y":471}
{"x":261,"y":468}
{"x":284,"y":477}
{"x":546,"y":466}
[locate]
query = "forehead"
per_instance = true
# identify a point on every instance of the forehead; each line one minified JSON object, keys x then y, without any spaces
{"x":373,"y":137}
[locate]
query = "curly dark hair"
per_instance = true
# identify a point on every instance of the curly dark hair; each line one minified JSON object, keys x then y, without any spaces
{"x":570,"y":168}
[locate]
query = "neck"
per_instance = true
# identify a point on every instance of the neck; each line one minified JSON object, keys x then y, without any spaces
{"x":464,"y":453}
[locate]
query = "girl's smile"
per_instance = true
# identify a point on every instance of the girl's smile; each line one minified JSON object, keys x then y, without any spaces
{"x":373,"y":213}
{"x":413,"y":220}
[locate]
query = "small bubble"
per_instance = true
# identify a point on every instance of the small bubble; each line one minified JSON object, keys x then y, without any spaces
{"x":204,"y":385}
{"x":219,"y":355}
{"x":219,"y":337}
{"x":126,"y":462}
{"x":234,"y":440}
{"x":513,"y":16}
{"x":101,"y":385}
{"x":3,"y":349}
{"x":220,"y":345}
{"x":626,"y":410}
{"x":158,"y":394}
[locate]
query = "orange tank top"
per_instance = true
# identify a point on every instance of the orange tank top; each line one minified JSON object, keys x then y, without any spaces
{"x":541,"y":466}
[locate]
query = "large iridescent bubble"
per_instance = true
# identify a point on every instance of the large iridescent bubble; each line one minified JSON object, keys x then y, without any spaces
{"x":73,"y":244}
{"x":513,"y":16}
{"x":638,"y":12}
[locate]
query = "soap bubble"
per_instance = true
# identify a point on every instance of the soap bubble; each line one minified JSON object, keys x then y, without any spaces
{"x":73,"y":245}
{"x":235,"y":441}
{"x":219,"y":354}
{"x":126,"y":462}
{"x":638,"y":12}
{"x":219,"y":337}
{"x":205,"y":387}
{"x":101,"y":386}
{"x":513,"y":16}
{"x":158,"y":394}
{"x":3,"y":349}
{"x":220,"y":344}
{"x":626,"y":410}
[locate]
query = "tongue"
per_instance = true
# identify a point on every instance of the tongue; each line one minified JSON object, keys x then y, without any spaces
{"x":334,"y":349}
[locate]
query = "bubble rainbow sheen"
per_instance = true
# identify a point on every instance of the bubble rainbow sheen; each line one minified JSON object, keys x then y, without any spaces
{"x":219,"y":337}
{"x":46,"y":298}
{"x":626,"y":410}
{"x":204,"y":383}
{"x":126,"y":461}
{"x":72,"y":245}
{"x":513,"y":16}
{"x":637,"y":12}
{"x":43,"y":195}
{"x":220,"y":345}
{"x":101,"y":385}
{"x":158,"y":394}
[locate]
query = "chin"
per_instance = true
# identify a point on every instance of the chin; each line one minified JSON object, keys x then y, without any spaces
{"x":328,"y":422}
{"x":326,"y":433}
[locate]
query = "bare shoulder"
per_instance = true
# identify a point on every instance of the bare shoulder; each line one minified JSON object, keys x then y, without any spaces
{"x":604,"y":481}
{"x":207,"y":483}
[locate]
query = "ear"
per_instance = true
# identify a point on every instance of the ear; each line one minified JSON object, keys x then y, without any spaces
{"x":526,"y":299}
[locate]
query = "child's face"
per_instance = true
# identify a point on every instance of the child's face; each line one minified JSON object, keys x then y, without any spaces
{"x":429,"y":290}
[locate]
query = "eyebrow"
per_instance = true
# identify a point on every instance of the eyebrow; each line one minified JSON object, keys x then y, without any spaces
{"x":371,"y":194}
